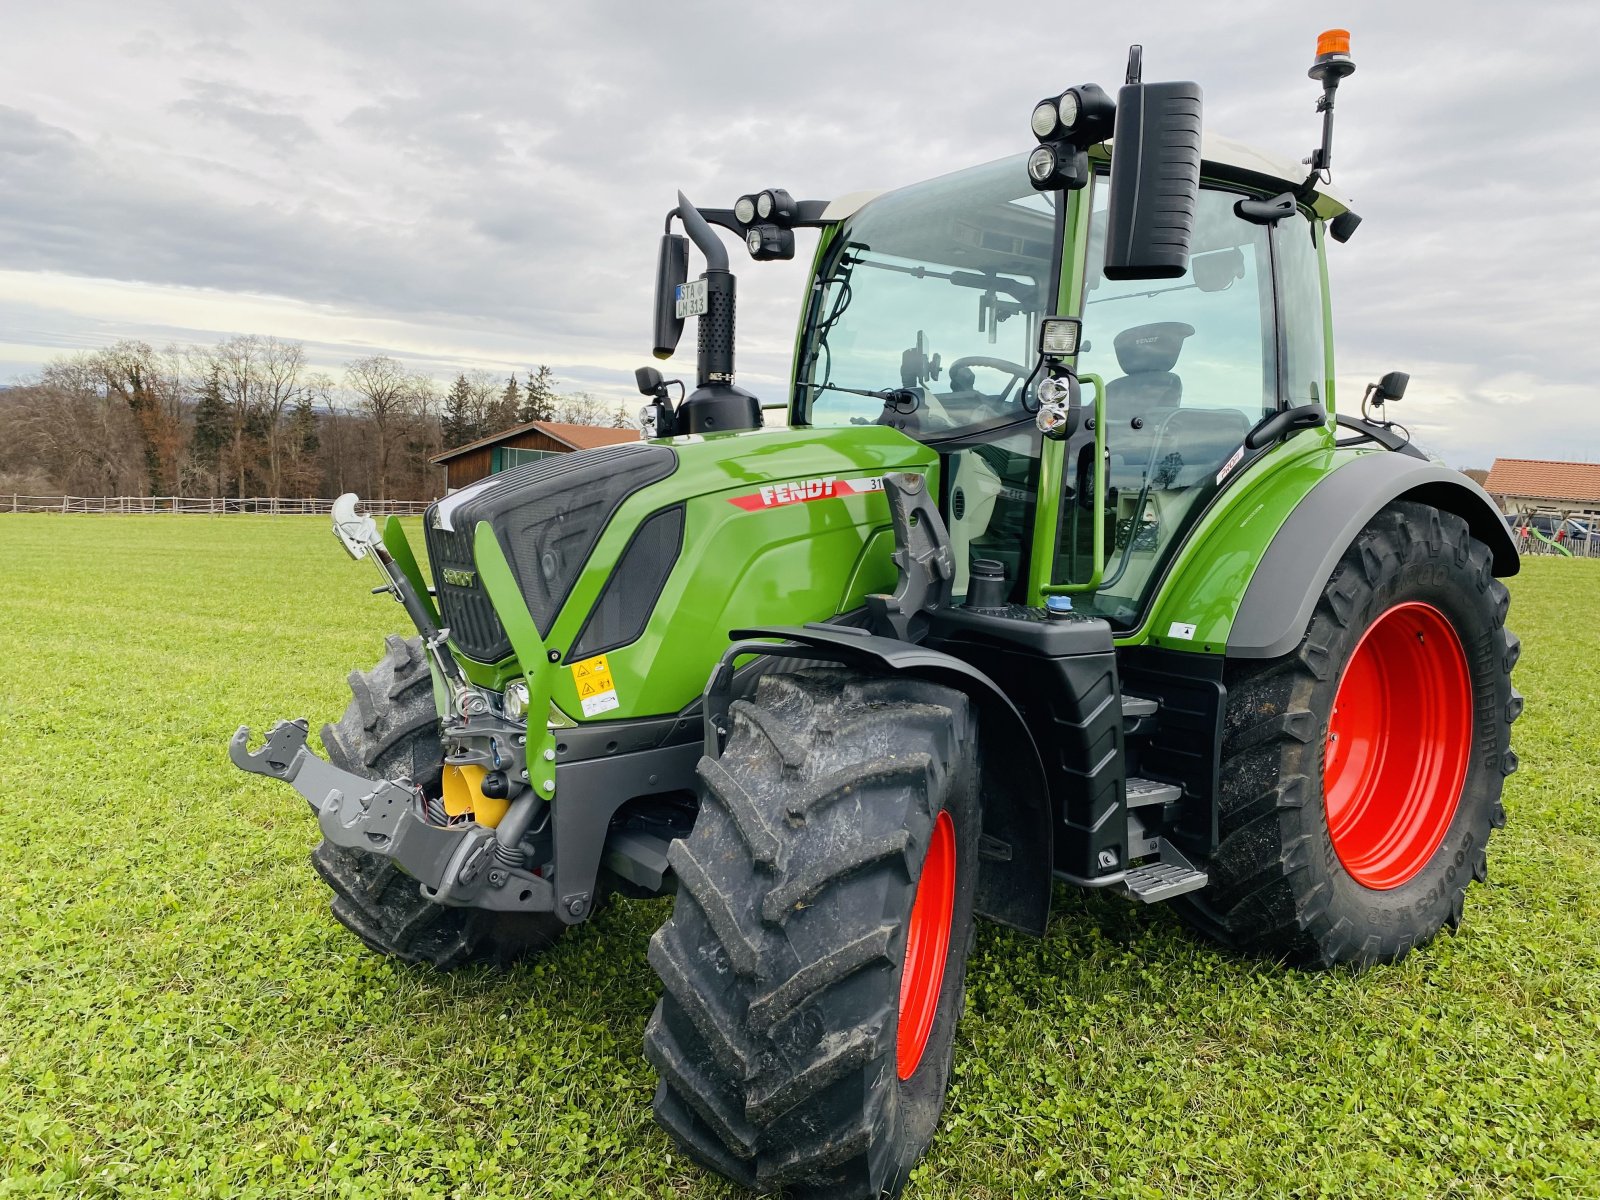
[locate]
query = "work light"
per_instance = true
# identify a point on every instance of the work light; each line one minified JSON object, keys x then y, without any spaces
{"x":1042,"y":163}
{"x":775,"y":205}
{"x":1083,"y":114}
{"x":767,"y":241}
{"x":1044,"y":120}
{"x":744,"y":209}
{"x":1068,"y":109}
{"x":1058,"y":336}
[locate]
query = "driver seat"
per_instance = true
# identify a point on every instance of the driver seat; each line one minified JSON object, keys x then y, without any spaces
{"x":1146,"y":354}
{"x":1147,"y":393}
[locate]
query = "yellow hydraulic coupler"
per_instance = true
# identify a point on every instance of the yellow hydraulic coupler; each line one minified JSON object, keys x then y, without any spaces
{"x":463,"y":793}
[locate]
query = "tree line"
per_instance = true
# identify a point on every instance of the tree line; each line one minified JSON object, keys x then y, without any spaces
{"x":250,"y":416}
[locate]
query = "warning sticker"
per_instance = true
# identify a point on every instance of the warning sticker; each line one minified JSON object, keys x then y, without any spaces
{"x":597,"y":691}
{"x":801,"y":491}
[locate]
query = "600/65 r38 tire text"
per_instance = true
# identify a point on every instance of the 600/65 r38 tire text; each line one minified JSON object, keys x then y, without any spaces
{"x":815,"y":960}
{"x":391,"y":731}
{"x":1362,"y":774}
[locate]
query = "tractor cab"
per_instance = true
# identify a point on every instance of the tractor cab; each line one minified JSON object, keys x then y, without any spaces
{"x":935,"y":294}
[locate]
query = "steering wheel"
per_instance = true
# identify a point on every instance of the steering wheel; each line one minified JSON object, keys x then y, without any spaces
{"x":1016,"y":370}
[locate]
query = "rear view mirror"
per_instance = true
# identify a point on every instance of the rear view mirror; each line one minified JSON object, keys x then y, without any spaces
{"x":1217,"y":271}
{"x":1393,"y":385}
{"x":672,"y":272}
{"x":1155,"y":180}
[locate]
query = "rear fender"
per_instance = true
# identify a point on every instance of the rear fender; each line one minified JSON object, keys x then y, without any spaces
{"x":1276,"y":608}
{"x":1016,"y":853}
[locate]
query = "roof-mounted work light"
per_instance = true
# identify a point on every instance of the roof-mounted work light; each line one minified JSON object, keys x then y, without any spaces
{"x":1084,"y":113}
{"x":766,"y":241}
{"x":776,"y":205}
{"x":1066,"y":126}
{"x":764,"y":219}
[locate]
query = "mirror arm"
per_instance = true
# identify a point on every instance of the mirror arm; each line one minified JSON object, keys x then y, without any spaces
{"x":1285,"y":424}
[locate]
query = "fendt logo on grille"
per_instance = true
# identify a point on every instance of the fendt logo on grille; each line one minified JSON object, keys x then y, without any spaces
{"x":775,"y":495}
{"x":459,"y":578}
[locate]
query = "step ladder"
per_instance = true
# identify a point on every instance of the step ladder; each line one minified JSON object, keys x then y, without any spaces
{"x":1170,"y":875}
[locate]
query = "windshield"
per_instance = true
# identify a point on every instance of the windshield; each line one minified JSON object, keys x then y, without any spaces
{"x":937,"y":290}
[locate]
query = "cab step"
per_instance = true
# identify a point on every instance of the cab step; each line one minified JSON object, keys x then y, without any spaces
{"x":1148,"y":791}
{"x":1138,"y":706}
{"x":1162,"y":881}
{"x":1138,"y":715}
{"x":1172,"y":875}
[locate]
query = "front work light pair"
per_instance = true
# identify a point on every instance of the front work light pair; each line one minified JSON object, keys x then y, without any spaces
{"x":1066,"y":126}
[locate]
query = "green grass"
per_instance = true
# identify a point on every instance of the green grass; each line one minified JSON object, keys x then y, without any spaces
{"x":181,"y":1016}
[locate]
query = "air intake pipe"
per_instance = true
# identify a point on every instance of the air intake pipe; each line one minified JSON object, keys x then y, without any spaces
{"x":715,"y":405}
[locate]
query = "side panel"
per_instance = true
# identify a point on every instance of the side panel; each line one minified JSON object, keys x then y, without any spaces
{"x":1207,"y":578}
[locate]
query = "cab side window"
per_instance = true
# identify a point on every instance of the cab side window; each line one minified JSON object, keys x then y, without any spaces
{"x":1190,"y":365}
{"x":1305,"y":353}
{"x":1202,"y":341}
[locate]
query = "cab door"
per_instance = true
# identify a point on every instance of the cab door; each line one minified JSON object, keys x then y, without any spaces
{"x":1190,"y":366}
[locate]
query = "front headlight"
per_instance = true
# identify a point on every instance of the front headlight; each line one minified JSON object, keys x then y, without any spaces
{"x":516,"y":699}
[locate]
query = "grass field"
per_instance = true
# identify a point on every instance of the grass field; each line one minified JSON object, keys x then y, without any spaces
{"x":181,"y":1016}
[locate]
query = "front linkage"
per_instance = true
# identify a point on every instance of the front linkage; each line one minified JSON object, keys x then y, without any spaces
{"x":466,"y":865}
{"x":478,"y":863}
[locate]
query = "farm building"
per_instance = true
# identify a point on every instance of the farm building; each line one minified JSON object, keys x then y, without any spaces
{"x":521,"y":444}
{"x":1532,"y":485}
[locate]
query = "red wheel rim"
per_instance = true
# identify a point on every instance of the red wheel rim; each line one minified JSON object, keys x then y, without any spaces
{"x":927,"y":947}
{"x":1399,"y":740}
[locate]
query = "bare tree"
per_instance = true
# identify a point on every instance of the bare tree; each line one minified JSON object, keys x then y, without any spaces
{"x":392,"y":398}
{"x":484,"y":390}
{"x":66,"y":433}
{"x":580,"y":408}
{"x":279,"y":386}
{"x":148,"y":384}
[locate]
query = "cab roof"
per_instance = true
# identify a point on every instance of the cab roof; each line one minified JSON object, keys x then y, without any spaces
{"x":1221,"y":158}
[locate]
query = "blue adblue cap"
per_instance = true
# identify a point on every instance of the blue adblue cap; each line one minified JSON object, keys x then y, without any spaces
{"x":1057,"y":605}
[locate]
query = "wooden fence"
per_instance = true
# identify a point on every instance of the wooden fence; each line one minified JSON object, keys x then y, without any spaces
{"x":213,"y":506}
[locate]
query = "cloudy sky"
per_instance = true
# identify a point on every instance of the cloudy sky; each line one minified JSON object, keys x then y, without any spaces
{"x":481,"y":184}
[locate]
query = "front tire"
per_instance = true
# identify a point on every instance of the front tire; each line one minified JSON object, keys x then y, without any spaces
{"x":814,"y":965}
{"x":1362,"y":774}
{"x":391,"y":731}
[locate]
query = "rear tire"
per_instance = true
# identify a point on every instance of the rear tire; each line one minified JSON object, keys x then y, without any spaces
{"x":1407,"y":659}
{"x":798,"y":1043}
{"x":391,"y":731}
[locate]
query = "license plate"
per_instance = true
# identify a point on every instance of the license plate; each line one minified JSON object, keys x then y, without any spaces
{"x":691,"y":299}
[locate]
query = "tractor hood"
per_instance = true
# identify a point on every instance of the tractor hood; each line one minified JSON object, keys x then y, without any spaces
{"x":648,"y":554}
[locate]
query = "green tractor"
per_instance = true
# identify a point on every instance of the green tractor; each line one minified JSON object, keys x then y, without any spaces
{"x":1064,"y":570}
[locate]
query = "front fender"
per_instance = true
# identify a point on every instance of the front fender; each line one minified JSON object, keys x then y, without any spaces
{"x":1017,"y":853}
{"x":1283,"y":590}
